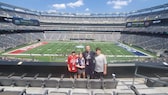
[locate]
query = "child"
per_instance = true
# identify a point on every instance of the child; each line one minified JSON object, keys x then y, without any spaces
{"x":72,"y":65}
{"x":81,"y":66}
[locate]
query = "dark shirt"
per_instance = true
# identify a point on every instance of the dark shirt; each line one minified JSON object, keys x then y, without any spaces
{"x":89,"y":58}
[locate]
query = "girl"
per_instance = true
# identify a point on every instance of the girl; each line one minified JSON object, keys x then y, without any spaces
{"x":81,"y":66}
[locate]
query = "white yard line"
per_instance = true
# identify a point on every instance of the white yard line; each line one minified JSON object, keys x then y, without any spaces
{"x":39,"y":44}
{"x":67,"y":55}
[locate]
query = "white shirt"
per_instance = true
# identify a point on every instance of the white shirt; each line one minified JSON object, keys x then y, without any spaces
{"x":100,"y":61}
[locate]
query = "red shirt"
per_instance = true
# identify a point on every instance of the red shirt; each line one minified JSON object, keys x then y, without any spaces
{"x":72,"y":63}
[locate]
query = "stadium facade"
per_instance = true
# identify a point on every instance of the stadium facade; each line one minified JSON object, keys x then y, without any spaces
{"x":146,"y":28}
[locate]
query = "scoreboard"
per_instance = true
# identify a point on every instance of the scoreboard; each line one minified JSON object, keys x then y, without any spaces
{"x":147,"y":23}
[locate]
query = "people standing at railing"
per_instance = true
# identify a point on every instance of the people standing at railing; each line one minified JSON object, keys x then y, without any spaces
{"x":80,"y":64}
{"x":72,"y":65}
{"x":100,"y":65}
{"x":89,"y":57}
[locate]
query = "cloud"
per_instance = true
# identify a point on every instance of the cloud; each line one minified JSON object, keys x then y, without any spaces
{"x":78,"y":3}
{"x":59,"y":6}
{"x":118,"y":4}
{"x":87,"y":9}
{"x":52,"y":11}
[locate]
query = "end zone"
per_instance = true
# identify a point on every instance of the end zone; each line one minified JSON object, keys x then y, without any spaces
{"x":24,"y":49}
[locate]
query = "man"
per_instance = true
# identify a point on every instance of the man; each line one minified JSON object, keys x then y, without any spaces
{"x":101,"y":64}
{"x":89,"y":57}
{"x":72,"y":65}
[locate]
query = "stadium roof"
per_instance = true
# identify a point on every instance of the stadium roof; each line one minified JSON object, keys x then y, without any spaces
{"x":161,"y":7}
{"x":151,"y":9}
{"x":16,"y":8}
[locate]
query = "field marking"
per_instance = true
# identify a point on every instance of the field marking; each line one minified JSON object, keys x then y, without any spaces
{"x":126,"y":56}
{"x":24,"y":49}
{"x":137,"y":50}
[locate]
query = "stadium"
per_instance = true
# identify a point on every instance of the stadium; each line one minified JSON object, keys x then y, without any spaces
{"x":34,"y":47}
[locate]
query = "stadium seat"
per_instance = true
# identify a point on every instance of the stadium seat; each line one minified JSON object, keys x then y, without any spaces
{"x":44,"y":93}
{"x":66,"y":83}
{"x":51,"y":83}
{"x":103,"y":84}
{"x":11,"y":93}
{"x":95,"y":84}
{"x":125,"y":94}
{"x":6,"y":81}
{"x":27,"y":81}
{"x":60,"y":93}
{"x":36,"y":82}
{"x":21,"y":82}
{"x":80,"y":93}
{"x":152,"y":83}
{"x":81,"y":83}
{"x":157,"y":94}
{"x":164,"y":79}
{"x":102,"y":94}
{"x":110,"y":84}
{"x":23,"y":92}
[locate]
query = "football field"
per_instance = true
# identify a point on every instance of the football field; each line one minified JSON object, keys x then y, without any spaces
{"x":59,"y":50}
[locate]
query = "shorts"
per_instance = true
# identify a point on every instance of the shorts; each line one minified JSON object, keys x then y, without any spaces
{"x":80,"y":71}
{"x":72,"y":73}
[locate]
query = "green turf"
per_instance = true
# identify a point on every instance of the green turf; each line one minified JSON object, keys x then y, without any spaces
{"x":65,"y":48}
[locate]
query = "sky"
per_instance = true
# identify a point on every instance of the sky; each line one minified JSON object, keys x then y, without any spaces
{"x":85,"y":6}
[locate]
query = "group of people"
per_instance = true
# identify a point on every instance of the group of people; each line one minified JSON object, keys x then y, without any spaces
{"x":88,"y":64}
